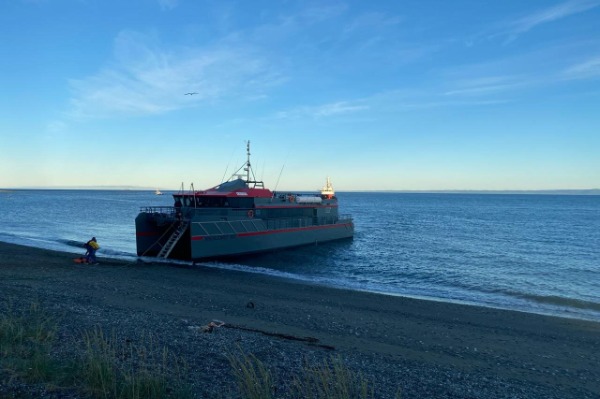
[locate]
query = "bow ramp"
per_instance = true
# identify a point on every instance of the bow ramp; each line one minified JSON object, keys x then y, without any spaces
{"x":165,"y":251}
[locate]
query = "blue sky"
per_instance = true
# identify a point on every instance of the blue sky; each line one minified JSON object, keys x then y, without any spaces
{"x":378,"y":95}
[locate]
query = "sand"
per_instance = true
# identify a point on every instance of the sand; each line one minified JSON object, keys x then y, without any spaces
{"x":422,"y":348}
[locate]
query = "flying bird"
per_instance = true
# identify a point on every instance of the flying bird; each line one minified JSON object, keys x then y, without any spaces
{"x":191,"y":93}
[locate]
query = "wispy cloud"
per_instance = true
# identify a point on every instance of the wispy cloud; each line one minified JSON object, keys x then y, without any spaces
{"x":370,"y":21}
{"x":485,"y":85}
{"x":512,"y":29}
{"x":145,"y":78}
{"x":323,"y":110}
{"x":425,"y":98}
{"x":551,"y":14}
{"x":584,"y":70}
{"x":337,"y":108}
{"x":168,"y":4}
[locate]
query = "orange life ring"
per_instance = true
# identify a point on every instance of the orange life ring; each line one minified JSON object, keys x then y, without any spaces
{"x":250,"y":213}
{"x":292,"y":198}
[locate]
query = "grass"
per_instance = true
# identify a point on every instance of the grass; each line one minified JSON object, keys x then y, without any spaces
{"x":109,"y":367}
{"x":112,"y":370}
{"x":330,"y":380}
{"x":253,"y":379}
{"x":106,"y":369}
{"x":26,"y":339}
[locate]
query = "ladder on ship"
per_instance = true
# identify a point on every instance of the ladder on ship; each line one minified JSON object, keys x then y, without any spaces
{"x":166,"y":250}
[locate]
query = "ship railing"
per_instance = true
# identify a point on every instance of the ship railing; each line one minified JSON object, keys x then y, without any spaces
{"x":169,"y":213}
{"x":158,"y":209}
{"x":288,"y":223}
{"x":291,"y":223}
{"x":186,"y":211}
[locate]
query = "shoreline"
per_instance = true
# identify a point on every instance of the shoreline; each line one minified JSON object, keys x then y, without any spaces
{"x":574,"y":310}
{"x":424,"y":347}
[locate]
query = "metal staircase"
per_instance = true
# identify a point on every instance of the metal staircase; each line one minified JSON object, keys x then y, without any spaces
{"x":165,"y":251}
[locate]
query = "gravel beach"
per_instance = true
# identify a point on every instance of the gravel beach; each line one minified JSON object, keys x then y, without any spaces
{"x":422,"y":349}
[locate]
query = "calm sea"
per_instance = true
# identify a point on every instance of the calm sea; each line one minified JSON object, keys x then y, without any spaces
{"x":533,"y":253}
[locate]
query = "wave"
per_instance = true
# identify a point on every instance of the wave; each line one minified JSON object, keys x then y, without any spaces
{"x":562,"y":301}
{"x":71,"y":243}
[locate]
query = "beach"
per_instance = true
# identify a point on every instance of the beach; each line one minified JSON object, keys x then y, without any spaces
{"x":420,"y":348}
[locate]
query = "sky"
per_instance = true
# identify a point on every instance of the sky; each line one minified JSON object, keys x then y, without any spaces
{"x":377,"y":95}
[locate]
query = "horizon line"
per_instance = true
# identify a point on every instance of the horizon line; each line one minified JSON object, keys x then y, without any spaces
{"x":589,"y":191}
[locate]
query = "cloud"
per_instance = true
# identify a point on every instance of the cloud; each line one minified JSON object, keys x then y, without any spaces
{"x":337,"y":108}
{"x":323,"y":110}
{"x":168,"y":4}
{"x":56,"y":126}
{"x":512,"y":29}
{"x":552,"y":14}
{"x":321,"y":13}
{"x":371,"y":21}
{"x":395,"y":101}
{"x":145,"y":78}
{"x":584,"y":70}
{"x":486,"y":85}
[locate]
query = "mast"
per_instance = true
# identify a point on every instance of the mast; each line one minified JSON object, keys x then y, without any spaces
{"x":247,"y":169}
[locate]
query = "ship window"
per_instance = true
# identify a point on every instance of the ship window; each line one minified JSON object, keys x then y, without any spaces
{"x":225,"y":228}
{"x":249,"y":226}
{"x":238,"y":227}
{"x":211,"y":228}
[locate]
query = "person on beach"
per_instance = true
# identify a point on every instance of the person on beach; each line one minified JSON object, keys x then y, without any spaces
{"x":91,"y":246}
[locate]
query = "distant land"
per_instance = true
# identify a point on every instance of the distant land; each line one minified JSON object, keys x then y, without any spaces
{"x":123,"y":188}
{"x":592,"y":191}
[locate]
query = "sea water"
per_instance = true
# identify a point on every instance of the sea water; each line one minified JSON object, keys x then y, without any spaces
{"x":532,"y":253}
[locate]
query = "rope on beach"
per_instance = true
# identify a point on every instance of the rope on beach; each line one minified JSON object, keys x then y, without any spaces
{"x":310,"y":340}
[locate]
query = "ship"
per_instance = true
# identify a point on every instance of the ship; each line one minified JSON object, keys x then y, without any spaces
{"x":239,"y":217}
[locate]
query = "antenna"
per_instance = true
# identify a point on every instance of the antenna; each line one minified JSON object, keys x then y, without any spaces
{"x":279,"y":177}
{"x":282,"y":166}
{"x":247,"y":169}
{"x":227,"y":168}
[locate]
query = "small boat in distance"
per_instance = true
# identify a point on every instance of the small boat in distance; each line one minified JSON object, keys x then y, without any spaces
{"x":239,"y":217}
{"x":158,"y":192}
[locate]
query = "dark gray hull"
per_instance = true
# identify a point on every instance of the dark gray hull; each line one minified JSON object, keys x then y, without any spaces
{"x":205,"y":239}
{"x":266,"y":240}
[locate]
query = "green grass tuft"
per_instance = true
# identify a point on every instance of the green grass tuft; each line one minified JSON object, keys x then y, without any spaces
{"x":112,"y":370}
{"x":105,"y":370}
{"x":253,"y":379}
{"x":330,"y":380}
{"x":26,"y":339}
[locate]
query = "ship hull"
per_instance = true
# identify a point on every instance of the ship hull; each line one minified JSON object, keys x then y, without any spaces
{"x":206,"y":247}
{"x":207,"y":240}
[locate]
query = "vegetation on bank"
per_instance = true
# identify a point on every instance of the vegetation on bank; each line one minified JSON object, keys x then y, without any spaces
{"x":330,"y":380}
{"x":104,"y":368}
{"x":108,"y":368}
